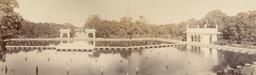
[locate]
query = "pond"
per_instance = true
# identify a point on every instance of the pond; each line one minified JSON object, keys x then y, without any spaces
{"x":156,"y":61}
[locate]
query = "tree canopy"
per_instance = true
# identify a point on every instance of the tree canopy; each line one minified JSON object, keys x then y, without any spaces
{"x":10,"y":21}
{"x":238,"y":29}
{"x":128,"y":27}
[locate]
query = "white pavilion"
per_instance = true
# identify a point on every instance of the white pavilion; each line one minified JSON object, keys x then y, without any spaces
{"x":78,"y":41}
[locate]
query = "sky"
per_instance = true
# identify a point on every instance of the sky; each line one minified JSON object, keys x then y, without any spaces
{"x":155,"y":11}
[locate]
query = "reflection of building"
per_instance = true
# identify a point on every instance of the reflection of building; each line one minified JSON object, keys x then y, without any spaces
{"x":79,"y":40}
{"x":2,"y":57}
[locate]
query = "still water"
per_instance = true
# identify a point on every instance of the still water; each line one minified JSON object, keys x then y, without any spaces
{"x":157,"y":61}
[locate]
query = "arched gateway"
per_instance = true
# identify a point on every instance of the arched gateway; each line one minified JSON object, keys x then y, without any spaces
{"x":83,"y":39}
{"x":65,"y":34}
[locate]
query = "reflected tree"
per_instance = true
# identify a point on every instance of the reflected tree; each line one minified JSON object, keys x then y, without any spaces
{"x":2,"y":56}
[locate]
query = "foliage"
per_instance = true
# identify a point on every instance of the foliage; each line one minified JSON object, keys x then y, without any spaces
{"x":239,"y":29}
{"x":42,"y":30}
{"x":126,"y":27}
{"x":10,"y":21}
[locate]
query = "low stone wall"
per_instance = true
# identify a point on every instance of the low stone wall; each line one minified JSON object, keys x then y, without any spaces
{"x":247,"y":69}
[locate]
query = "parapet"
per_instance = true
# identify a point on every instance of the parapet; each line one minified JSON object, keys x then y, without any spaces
{"x":65,"y":30}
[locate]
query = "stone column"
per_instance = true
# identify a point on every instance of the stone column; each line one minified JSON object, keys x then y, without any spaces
{"x":94,"y":39}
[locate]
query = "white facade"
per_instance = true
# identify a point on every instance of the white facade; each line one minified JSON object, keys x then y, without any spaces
{"x":80,"y":34}
{"x":202,"y":36}
{"x":198,"y":38}
{"x":65,"y":34}
{"x":84,"y":33}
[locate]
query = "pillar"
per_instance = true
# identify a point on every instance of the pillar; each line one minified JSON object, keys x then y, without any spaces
{"x":94,"y":39}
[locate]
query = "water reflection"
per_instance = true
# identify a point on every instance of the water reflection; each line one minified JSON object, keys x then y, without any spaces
{"x":158,"y":61}
{"x":2,"y":57}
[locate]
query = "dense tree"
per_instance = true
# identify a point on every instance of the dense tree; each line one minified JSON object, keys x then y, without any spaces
{"x":239,"y":29}
{"x":10,"y":21}
{"x":92,"y":21}
{"x":127,"y":27}
{"x":215,"y":17}
{"x":43,"y":30}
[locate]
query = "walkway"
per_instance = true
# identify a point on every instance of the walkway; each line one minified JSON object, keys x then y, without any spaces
{"x":96,"y":39}
{"x":96,"y":48}
{"x":176,"y":43}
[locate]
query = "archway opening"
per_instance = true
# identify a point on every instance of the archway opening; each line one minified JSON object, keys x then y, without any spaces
{"x":65,"y":35}
{"x":199,"y":38}
{"x":90,"y":35}
{"x":192,"y":37}
{"x":210,"y":39}
{"x":196,"y":38}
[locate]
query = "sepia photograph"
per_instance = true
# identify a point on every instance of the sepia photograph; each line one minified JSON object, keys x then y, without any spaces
{"x":127,"y":37}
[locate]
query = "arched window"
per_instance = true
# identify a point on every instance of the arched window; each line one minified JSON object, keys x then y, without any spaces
{"x":199,"y":38}
{"x":90,"y":35}
{"x":210,"y":39}
{"x":192,"y":38}
{"x":196,"y":38}
{"x":65,"y":35}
